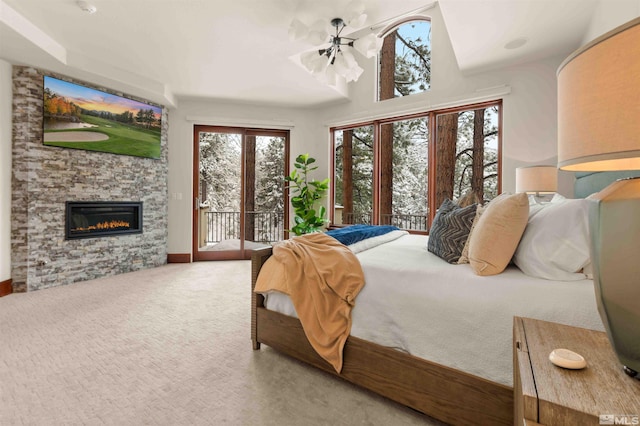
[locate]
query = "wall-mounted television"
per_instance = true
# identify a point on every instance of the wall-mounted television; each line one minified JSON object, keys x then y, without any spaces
{"x":79,"y":117}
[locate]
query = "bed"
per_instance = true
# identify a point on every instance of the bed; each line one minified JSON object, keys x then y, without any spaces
{"x":456,"y":365}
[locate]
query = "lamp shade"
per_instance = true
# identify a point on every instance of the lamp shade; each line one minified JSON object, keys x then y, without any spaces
{"x":538,"y":179}
{"x":599,"y":103}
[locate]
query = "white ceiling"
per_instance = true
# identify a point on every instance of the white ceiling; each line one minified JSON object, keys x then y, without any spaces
{"x":169,"y":50}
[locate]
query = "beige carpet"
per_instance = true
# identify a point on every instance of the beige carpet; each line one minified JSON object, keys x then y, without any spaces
{"x":165,"y":346}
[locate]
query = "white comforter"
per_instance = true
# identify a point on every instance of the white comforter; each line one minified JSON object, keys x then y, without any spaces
{"x":418,"y":303}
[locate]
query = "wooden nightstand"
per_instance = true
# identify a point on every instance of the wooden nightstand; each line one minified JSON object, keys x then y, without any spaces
{"x":548,"y":395}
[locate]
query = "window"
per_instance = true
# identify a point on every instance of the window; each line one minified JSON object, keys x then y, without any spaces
{"x":467,"y":154}
{"x":398,"y":171}
{"x":405,"y":60}
{"x":403,"y":194}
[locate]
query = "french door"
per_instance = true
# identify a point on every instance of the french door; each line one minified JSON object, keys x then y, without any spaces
{"x":240,"y":200}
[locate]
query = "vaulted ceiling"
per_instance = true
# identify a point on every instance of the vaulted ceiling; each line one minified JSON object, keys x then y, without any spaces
{"x":239,"y":50}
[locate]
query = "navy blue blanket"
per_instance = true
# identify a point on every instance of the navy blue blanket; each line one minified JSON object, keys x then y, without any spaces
{"x":354,"y":233}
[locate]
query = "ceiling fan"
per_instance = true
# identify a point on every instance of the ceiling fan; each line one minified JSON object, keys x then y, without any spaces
{"x":333,"y":57}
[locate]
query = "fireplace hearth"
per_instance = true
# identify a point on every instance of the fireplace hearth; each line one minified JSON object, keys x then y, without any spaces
{"x":91,"y":219}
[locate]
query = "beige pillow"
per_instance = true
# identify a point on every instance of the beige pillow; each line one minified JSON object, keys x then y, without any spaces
{"x":464,"y":257}
{"x":497,"y":233}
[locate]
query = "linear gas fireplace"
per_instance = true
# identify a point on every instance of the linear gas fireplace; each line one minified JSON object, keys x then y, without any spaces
{"x":89,"y":219}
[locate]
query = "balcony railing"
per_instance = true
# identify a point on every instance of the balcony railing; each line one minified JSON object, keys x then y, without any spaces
{"x":263,"y":227}
{"x":268,"y":227}
{"x":412,"y":222}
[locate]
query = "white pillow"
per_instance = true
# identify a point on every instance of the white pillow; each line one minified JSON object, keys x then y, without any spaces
{"x":555,"y":243}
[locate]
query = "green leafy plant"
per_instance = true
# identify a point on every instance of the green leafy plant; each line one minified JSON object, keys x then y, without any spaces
{"x":305,"y":194}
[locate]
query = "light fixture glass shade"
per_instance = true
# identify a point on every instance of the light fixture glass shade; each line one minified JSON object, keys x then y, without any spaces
{"x":599,"y":104}
{"x":347,"y":67}
{"x":330,"y":76}
{"x":314,"y":62}
{"x":318,"y":33}
{"x":537,"y":179}
{"x":599,"y":130}
{"x":368,"y":46}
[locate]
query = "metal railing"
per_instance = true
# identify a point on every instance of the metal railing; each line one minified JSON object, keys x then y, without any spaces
{"x":413,"y":222}
{"x":353,"y":218}
{"x":268,"y":227}
{"x":264,"y":227}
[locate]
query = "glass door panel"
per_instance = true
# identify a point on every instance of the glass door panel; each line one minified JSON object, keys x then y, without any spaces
{"x":264,"y":199}
{"x":219,"y":195}
{"x":239,"y":191}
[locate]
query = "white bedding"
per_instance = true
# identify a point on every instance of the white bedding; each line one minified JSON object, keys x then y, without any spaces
{"x":418,"y":303}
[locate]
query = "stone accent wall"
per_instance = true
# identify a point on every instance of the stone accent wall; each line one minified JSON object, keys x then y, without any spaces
{"x":44,"y":177}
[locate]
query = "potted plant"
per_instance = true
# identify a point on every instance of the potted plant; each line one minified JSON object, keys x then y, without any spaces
{"x":305,"y":194}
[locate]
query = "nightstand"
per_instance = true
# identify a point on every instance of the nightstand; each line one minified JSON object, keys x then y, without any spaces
{"x":544,"y":394}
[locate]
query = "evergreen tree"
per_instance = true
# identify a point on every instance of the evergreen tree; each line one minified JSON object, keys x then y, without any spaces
{"x":269,"y":174}
{"x":220,"y":170}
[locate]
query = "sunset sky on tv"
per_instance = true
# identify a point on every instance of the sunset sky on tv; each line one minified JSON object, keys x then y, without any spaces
{"x":92,"y":99}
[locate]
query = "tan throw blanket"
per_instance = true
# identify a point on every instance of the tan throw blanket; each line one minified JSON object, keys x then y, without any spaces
{"x":322,"y":277}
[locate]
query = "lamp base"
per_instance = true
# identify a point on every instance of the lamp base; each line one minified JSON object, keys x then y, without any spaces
{"x":614,"y":217}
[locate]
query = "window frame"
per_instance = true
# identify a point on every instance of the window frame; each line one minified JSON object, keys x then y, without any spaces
{"x":431,"y":115}
{"x":383,"y":34}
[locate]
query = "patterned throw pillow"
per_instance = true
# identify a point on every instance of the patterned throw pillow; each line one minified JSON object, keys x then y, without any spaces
{"x":450,"y":230}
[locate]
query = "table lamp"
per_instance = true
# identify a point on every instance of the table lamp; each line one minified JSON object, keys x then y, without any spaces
{"x":537,"y":180}
{"x":599,"y":130}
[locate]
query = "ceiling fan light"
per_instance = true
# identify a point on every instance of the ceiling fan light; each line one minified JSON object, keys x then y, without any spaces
{"x":354,"y":73}
{"x":340,"y":65}
{"x":330,"y":76}
{"x":318,"y":32}
{"x":314,"y":62}
{"x":368,"y":46}
{"x":349,"y":59}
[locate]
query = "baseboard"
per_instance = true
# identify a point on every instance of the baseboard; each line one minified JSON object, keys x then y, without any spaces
{"x":6,"y":287}
{"x":179,"y":258}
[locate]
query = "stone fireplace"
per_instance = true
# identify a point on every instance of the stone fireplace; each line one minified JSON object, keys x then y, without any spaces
{"x":44,"y":178}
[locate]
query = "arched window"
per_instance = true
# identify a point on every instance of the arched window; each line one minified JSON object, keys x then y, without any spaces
{"x":405,"y":60}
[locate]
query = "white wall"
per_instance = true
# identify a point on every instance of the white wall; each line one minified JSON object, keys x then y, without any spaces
{"x":5,"y":170}
{"x":306,"y":136}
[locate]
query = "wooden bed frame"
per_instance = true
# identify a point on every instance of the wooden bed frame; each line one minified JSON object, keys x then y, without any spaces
{"x":444,"y":393}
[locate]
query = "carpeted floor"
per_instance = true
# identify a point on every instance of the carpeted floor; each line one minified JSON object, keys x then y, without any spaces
{"x":165,"y":346}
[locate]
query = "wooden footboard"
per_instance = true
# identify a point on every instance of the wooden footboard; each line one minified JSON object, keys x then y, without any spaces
{"x":444,"y":393}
